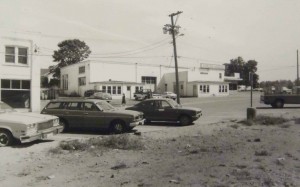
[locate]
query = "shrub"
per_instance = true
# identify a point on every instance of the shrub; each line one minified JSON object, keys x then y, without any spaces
{"x":123,"y":141}
{"x":269,"y":120}
{"x":264,"y":120}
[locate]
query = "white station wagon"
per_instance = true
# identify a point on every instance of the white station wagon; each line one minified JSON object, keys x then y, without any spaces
{"x":25,"y":127}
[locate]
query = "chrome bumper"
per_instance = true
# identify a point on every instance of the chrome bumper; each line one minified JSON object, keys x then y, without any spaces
{"x":41,"y":134}
{"x":136,"y":123}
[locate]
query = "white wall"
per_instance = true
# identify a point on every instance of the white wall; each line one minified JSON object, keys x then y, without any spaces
{"x":206,"y":75}
{"x":29,"y":71}
{"x":96,"y":72}
{"x":101,"y":71}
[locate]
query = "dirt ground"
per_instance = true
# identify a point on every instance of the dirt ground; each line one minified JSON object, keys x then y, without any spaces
{"x":223,"y":154}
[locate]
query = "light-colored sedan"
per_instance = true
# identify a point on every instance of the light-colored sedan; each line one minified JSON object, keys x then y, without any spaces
{"x":170,"y":95}
{"x":25,"y":126}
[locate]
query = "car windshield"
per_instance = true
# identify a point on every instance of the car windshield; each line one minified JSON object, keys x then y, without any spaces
{"x":174,"y":103}
{"x":5,"y":108}
{"x":105,"y":106}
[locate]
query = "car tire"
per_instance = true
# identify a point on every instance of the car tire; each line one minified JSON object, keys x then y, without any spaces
{"x":117,"y":127}
{"x":147,"y":121}
{"x":279,"y":103}
{"x":6,"y":138}
{"x":64,"y":124}
{"x":185,"y":120}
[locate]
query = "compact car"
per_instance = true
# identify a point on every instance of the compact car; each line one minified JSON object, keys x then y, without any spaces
{"x":170,"y":95}
{"x":166,"y":110}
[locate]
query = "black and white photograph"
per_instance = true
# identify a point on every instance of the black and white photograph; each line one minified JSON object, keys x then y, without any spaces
{"x":149,"y":93}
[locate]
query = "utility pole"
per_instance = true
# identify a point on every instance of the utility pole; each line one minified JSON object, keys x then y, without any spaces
{"x":297,"y":69}
{"x":174,"y":30}
{"x":297,"y":83}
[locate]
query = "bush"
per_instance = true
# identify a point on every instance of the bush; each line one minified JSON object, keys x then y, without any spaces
{"x":265,"y":120}
{"x":123,"y":141}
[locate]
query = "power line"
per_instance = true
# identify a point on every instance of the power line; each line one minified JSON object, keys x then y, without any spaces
{"x":126,"y":53}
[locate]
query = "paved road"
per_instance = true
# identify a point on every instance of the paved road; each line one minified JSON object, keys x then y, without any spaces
{"x":214,"y":109}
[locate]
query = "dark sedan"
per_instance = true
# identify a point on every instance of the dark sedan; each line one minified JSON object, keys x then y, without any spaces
{"x":167,"y":110}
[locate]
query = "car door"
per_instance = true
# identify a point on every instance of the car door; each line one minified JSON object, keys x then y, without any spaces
{"x":163,"y":111}
{"x":147,"y":108}
{"x":74,"y":114}
{"x":93,"y":116}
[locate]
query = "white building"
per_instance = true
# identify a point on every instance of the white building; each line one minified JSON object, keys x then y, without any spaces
{"x":207,"y":80}
{"x":20,"y":77}
{"x":114,"y":78}
{"x":118,"y":78}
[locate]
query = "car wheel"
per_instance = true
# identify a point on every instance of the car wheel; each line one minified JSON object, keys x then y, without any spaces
{"x":279,"y":103}
{"x":64,"y":124}
{"x":147,"y":121}
{"x":185,"y":120}
{"x":117,"y":127}
{"x":6,"y":138}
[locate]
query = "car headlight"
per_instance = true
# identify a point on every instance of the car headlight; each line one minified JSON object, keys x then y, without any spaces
{"x":31,"y":126}
{"x":56,"y":121}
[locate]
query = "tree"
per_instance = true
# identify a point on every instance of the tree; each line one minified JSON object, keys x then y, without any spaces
{"x":238,"y":65}
{"x":235,"y":66}
{"x":69,"y":52}
{"x":250,"y":67}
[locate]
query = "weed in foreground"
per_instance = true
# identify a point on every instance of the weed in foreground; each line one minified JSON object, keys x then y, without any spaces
{"x":264,"y":120}
{"x":123,"y":141}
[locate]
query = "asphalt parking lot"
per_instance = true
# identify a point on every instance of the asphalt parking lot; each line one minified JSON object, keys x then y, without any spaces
{"x":214,"y":109}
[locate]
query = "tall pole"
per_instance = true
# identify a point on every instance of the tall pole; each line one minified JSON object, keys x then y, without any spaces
{"x":175,"y":57}
{"x":297,"y":69}
{"x":251,"y":86}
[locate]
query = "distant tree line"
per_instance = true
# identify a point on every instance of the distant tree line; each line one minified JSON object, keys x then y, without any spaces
{"x":278,"y":84}
{"x":238,"y":65}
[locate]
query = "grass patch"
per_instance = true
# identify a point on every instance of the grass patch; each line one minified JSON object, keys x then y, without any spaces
{"x":123,"y":141}
{"x":265,"y":120}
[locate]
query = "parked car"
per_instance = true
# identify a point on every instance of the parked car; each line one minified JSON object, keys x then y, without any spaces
{"x":25,"y":126}
{"x":286,"y":90}
{"x":103,"y":96}
{"x":156,"y":96}
{"x":142,"y":94}
{"x":89,"y":93}
{"x":170,"y":95}
{"x":93,"y":114}
{"x":167,"y":110}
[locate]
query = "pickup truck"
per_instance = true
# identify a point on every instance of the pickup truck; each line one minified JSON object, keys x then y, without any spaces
{"x":278,"y":100}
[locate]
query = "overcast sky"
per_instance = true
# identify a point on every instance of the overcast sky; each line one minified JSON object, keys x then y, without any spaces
{"x":215,"y":31}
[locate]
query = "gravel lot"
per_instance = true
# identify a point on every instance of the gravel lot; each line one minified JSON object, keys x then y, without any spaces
{"x":217,"y":150}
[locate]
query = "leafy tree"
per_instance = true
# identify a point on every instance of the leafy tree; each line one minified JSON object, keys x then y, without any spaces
{"x":238,"y":65}
{"x":69,"y":52}
{"x":235,"y":66}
